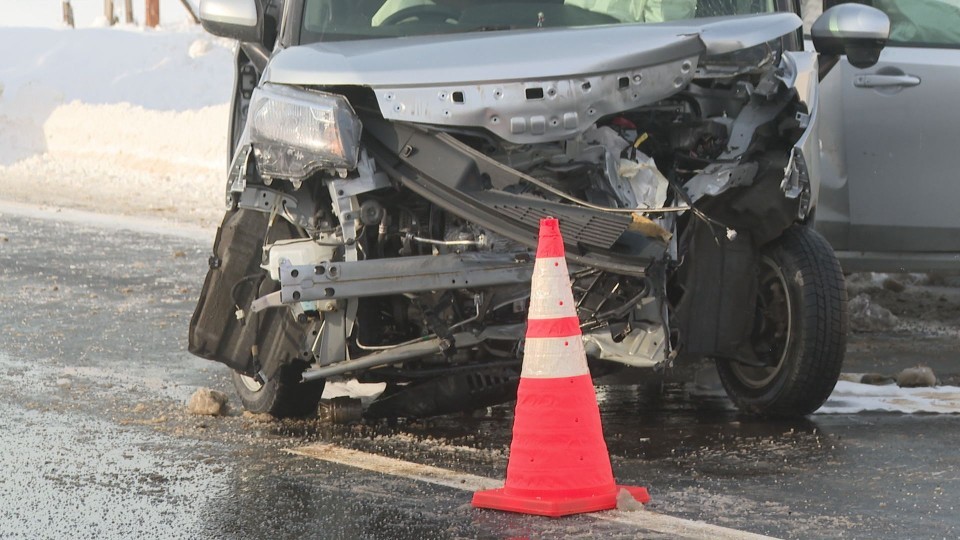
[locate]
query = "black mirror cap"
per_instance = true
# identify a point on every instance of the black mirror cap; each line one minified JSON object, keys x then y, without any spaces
{"x":857,"y":31}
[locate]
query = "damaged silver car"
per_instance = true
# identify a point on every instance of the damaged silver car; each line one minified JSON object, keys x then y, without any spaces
{"x":392,"y":159}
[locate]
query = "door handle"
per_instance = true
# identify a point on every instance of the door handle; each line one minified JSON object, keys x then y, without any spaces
{"x":885,"y":81}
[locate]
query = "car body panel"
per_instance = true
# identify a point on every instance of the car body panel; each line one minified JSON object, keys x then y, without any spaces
{"x":890,"y":179}
{"x":519,"y":54}
{"x":525,"y":86}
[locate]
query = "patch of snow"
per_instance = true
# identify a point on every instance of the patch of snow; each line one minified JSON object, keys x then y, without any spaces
{"x":116,"y":120}
{"x":49,"y":13}
{"x":199,"y":48}
{"x":867,"y":316}
{"x":851,"y":398}
{"x":367,"y":392}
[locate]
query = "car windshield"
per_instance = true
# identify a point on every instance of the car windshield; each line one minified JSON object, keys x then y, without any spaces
{"x":331,"y":20}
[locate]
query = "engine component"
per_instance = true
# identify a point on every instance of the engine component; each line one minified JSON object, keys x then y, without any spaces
{"x":298,"y":252}
{"x":341,"y":410}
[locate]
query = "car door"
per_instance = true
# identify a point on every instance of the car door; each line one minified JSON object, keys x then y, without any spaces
{"x":890,"y":194}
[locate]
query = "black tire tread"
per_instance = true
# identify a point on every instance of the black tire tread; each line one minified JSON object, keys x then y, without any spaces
{"x":284,"y":396}
{"x":810,"y":379}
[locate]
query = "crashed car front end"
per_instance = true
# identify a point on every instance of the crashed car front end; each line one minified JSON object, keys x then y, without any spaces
{"x":410,"y":183}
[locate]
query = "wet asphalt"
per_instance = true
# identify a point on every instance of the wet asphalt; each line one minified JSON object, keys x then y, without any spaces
{"x":96,"y":441}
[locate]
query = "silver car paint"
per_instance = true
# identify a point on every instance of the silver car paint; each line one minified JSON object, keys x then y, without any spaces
{"x":801,"y":73}
{"x":852,"y":21}
{"x":890,"y":178}
{"x":525,"y":86}
{"x":241,"y":13}
{"x":519,"y":55}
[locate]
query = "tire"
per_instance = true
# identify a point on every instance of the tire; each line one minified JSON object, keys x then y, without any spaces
{"x":800,"y":329}
{"x":284,"y":396}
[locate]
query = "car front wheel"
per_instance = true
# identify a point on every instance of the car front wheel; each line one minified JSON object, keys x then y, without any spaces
{"x":799,"y":331}
{"x":282,"y":396}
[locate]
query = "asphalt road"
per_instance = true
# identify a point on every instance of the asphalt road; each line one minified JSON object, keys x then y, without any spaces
{"x":97,"y":443}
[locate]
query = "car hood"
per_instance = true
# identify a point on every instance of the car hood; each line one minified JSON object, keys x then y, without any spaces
{"x":520,"y":55}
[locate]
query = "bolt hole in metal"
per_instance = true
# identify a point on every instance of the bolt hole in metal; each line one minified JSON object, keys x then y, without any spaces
{"x":773,"y":327}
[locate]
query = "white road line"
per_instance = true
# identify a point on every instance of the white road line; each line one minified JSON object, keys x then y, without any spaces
{"x":396,"y":467}
{"x":677,"y":527}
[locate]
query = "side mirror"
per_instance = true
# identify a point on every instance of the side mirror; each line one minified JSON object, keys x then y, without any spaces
{"x":241,"y":20}
{"x":858,"y":31}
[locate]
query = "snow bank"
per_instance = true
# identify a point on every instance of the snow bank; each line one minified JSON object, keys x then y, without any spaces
{"x":117,"y":120}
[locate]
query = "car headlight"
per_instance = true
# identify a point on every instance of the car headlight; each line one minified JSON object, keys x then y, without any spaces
{"x":295,"y":132}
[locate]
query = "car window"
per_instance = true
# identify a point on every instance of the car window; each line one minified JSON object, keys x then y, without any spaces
{"x":809,"y":11}
{"x":327,"y":20}
{"x":923,"y":22}
{"x":920,"y":23}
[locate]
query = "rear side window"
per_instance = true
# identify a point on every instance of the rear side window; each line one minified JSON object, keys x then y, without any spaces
{"x":920,"y":23}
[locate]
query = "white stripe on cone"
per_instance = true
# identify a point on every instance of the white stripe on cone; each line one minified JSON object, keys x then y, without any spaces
{"x":549,"y":358}
{"x":551,"y":296}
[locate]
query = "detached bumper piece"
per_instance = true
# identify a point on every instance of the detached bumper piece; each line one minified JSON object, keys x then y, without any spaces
{"x":234,"y":280}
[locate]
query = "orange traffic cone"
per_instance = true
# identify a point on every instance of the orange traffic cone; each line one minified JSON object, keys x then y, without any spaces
{"x":559,"y":463}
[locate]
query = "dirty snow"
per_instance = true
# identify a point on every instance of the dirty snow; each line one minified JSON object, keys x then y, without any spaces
{"x":366,"y":392}
{"x":849,"y":398}
{"x":207,"y":402}
{"x":868,"y":316}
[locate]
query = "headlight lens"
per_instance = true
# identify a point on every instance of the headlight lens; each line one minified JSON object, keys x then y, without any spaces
{"x":297,"y":132}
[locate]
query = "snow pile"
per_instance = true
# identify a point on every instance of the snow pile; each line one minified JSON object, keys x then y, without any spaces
{"x":115,"y":120}
{"x":868,"y":316}
{"x":849,"y":398}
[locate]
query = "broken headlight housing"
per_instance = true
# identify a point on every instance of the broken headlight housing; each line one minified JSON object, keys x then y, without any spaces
{"x":296,"y":132}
